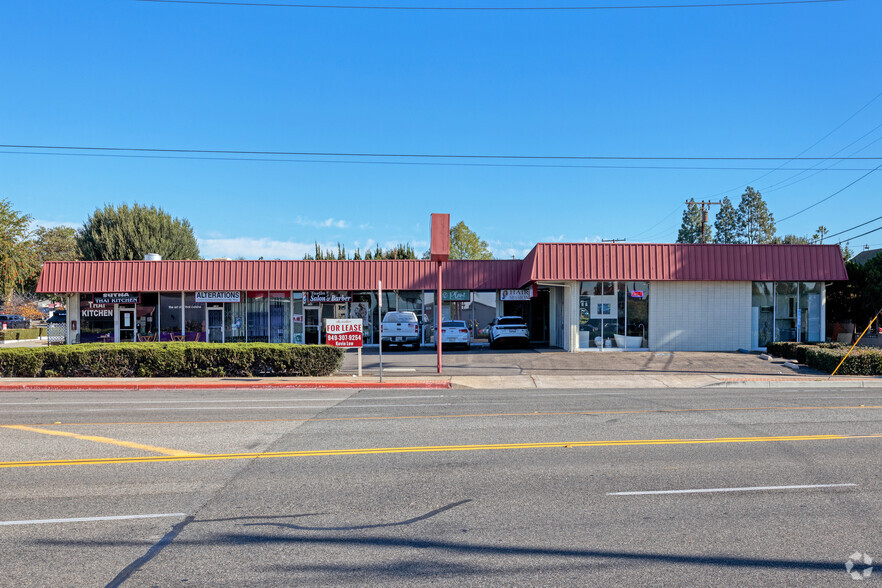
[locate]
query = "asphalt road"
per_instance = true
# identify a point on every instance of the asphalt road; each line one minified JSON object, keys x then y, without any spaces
{"x":454,"y":487}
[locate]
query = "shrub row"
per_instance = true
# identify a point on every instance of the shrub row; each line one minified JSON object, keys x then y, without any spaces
{"x":826,"y":356}
{"x":861,"y":362}
{"x":21,"y":334}
{"x":171,"y":360}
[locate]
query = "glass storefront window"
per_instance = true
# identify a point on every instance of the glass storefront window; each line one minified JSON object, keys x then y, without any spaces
{"x":364,"y":307}
{"x":234,"y":320}
{"x":280,"y":317}
{"x":785,"y":310}
{"x":637,"y":313}
{"x":194,"y":318}
{"x":598,"y":314}
{"x":146,"y":313}
{"x":257,"y":317}
{"x":297,"y":317}
{"x":170,"y":316}
{"x":762,"y":318}
{"x":809,"y":315}
{"x":483,"y":313}
{"x":96,"y":321}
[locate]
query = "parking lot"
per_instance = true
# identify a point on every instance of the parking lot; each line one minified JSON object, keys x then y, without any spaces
{"x":482,"y":361}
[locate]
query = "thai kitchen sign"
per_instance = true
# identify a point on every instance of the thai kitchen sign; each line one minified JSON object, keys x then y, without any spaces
{"x":218,"y":296}
{"x":116,"y":298}
{"x":522,"y":294}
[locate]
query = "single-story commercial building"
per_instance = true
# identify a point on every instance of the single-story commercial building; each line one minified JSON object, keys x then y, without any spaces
{"x":576,"y":296}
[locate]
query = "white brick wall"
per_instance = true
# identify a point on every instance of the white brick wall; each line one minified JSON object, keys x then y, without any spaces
{"x":699,"y":316}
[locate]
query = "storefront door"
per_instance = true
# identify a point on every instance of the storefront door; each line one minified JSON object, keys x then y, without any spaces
{"x":127,"y":325}
{"x":311,"y":331}
{"x":215,"y":324}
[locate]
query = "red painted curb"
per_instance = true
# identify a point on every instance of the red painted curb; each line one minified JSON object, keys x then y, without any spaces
{"x":222,"y":386}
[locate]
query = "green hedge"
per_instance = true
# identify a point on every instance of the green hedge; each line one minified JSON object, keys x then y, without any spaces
{"x":171,"y":360}
{"x":21,"y":334}
{"x":861,"y":361}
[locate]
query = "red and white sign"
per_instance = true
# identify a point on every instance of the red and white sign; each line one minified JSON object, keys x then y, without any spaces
{"x":343,"y":332}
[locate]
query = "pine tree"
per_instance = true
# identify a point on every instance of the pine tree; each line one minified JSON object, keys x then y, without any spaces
{"x":756,"y":223}
{"x":125,"y":233}
{"x":726,"y":223}
{"x":690,"y":230}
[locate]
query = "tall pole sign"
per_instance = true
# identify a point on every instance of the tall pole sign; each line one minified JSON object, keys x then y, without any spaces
{"x":439,"y":252}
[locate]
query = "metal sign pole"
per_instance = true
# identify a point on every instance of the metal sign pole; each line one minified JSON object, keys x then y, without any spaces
{"x":380,"y":302}
{"x":438,"y":318}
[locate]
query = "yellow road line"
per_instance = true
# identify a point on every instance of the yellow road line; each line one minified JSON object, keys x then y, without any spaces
{"x":470,"y":415}
{"x":432,"y":448}
{"x":108,"y":440}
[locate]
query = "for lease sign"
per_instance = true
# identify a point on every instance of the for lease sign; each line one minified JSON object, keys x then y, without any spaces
{"x":343,"y":332}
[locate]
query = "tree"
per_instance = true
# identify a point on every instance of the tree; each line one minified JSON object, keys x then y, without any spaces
{"x":756,"y":224}
{"x":820,"y":233}
{"x":791,"y":240}
{"x":17,"y":256}
{"x":726,"y":223}
{"x":690,"y":230}
{"x":55,"y":244}
{"x":125,"y":233}
{"x":465,"y":244}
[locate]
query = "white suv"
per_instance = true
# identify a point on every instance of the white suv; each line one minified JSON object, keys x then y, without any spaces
{"x":509,"y":329}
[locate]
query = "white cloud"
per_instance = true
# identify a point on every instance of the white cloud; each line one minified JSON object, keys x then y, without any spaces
{"x":328,"y":223}
{"x":52,"y":224}
{"x":250,"y":248}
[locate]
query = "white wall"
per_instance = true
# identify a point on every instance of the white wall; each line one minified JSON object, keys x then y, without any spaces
{"x":699,"y":316}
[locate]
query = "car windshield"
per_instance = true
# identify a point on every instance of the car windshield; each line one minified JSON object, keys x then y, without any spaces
{"x":460,"y":324}
{"x":399,"y":317}
{"x":510,"y":321}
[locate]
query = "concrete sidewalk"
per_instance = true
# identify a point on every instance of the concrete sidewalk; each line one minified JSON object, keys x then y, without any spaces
{"x":444,"y":382}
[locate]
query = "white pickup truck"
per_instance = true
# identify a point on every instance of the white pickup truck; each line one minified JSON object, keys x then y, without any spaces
{"x":400,"y":328}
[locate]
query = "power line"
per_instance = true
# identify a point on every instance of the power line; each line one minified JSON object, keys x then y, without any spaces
{"x":830,"y":196}
{"x":432,"y":155}
{"x":861,"y":235}
{"x":492,"y":8}
{"x":423,"y":163}
{"x":847,"y":230}
{"x":839,"y":126}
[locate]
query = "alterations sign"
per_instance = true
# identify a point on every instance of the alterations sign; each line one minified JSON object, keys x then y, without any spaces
{"x":343,"y":332}
{"x":218,"y":296}
{"x":116,"y":298}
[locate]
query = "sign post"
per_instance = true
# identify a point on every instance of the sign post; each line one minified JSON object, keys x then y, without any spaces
{"x":380,"y":302}
{"x":439,"y":252}
{"x":345,"y":333}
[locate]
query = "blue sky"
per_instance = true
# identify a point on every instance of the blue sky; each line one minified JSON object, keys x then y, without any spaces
{"x":762,"y":81}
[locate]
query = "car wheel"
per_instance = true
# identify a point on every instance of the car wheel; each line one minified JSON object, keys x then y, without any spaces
{"x":416,"y":346}
{"x":385,"y":346}
{"x":468,"y":346}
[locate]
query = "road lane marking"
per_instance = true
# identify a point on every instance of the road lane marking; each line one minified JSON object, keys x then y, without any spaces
{"x":713,"y":490}
{"x":431,"y":448}
{"x":52,"y":403}
{"x":108,"y":440}
{"x":461,"y":416}
{"x":92,"y":519}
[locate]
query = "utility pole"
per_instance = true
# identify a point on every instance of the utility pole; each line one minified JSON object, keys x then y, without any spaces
{"x":705,"y":206}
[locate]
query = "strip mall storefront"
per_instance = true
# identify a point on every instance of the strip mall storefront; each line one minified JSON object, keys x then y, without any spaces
{"x":579,"y":296}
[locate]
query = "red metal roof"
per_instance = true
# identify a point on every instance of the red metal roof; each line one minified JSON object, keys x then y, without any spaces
{"x":189,"y":276}
{"x":546,"y":262}
{"x":665,"y":262}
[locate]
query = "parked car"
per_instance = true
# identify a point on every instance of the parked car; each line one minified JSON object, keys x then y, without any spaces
{"x":455,"y":333}
{"x":509,"y":330}
{"x":400,"y":328}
